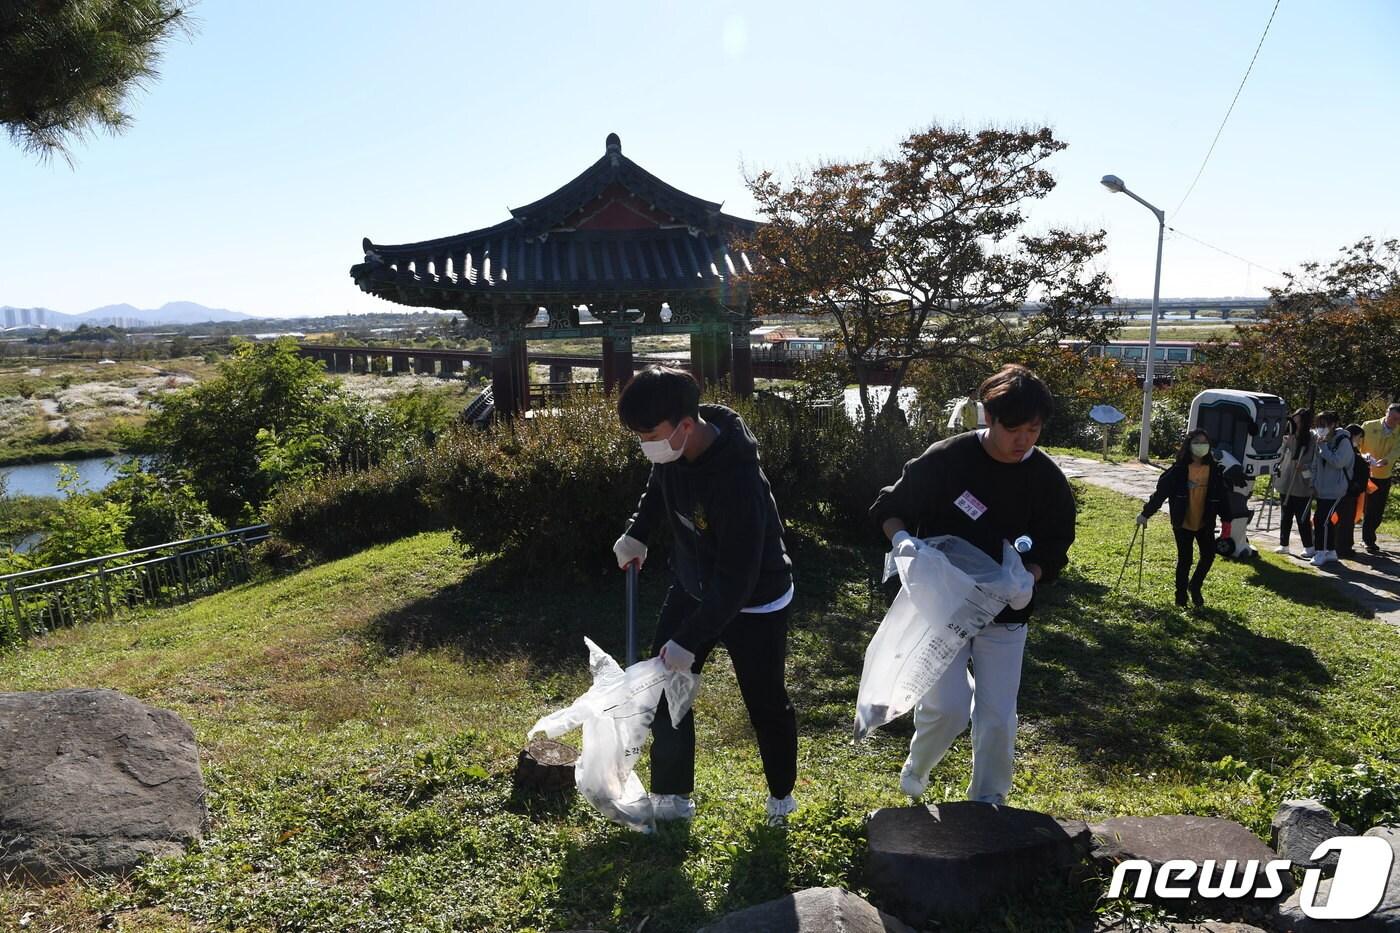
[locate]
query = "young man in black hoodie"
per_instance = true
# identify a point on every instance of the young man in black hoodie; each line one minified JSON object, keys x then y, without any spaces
{"x":985,"y":487}
{"x":732,"y":578}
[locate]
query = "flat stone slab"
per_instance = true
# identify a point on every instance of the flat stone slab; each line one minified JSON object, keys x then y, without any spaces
{"x":1299,"y":827}
{"x":1384,"y":919}
{"x":94,"y":782}
{"x":1160,"y":839}
{"x":952,"y":859}
{"x":815,"y":910}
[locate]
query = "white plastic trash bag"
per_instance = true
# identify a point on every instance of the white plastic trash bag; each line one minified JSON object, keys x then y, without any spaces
{"x":615,"y":715}
{"x":949,"y":591}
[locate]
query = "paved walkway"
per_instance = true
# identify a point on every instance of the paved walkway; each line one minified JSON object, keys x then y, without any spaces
{"x":1373,"y":582}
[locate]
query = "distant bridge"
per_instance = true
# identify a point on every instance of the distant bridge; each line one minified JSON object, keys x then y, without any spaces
{"x":1189,"y":309}
{"x":445,"y":362}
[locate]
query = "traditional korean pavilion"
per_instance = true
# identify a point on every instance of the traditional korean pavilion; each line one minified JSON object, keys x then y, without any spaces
{"x":617,"y":241}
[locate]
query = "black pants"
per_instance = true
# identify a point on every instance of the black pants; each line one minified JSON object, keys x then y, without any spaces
{"x":1324,"y":532}
{"x":757,"y":644}
{"x":1295,"y":507}
{"x":1205,"y":538}
{"x":1346,"y":526}
{"x":1375,"y":510}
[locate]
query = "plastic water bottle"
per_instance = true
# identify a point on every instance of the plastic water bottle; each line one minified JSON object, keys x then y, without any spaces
{"x":1022,"y":544}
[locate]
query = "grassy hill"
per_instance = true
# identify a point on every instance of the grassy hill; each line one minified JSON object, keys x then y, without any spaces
{"x":359,"y":721}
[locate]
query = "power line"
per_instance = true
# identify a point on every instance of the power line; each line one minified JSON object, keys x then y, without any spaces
{"x":1225,"y":252}
{"x":1229,"y":111}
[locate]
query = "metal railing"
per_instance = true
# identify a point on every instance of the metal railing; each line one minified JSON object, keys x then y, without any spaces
{"x":36,"y":601}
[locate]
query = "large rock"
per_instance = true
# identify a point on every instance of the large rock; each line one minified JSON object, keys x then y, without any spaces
{"x":815,"y":910}
{"x":954,"y":858}
{"x":93,"y":782}
{"x":1299,"y":827}
{"x":1384,"y":919}
{"x":1160,"y":839}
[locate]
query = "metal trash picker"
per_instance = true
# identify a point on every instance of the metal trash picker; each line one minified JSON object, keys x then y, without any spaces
{"x":1142,"y":555}
{"x":633,"y":571}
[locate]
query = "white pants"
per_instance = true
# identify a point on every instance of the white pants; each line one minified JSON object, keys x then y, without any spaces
{"x":988,"y":699}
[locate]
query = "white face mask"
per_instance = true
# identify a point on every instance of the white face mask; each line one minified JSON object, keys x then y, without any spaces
{"x":1200,"y":450}
{"x":662,"y":451}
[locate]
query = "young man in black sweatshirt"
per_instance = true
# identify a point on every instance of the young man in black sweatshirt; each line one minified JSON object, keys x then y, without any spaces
{"x":732,"y":580}
{"x":985,"y":487}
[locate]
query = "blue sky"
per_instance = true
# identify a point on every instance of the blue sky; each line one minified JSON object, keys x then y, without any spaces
{"x":282,"y":133}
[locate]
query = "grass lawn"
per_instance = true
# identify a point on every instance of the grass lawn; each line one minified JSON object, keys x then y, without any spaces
{"x":359,"y":721}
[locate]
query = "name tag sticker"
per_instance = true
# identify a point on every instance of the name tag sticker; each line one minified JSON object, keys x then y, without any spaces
{"x":970,"y":506}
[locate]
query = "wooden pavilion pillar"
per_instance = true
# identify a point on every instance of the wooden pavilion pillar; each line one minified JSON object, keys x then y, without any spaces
{"x":510,"y":377}
{"x":624,"y":362}
{"x":520,"y":376}
{"x":709,"y":357}
{"x":742,"y":351}
{"x":698,"y":368}
{"x":724,"y":356}
{"x":608,"y":371}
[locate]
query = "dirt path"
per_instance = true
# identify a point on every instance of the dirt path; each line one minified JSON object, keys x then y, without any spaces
{"x":1373,"y":582}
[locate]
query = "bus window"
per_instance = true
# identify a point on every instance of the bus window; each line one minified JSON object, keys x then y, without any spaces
{"x":1134,"y":353}
{"x":1177,"y":354}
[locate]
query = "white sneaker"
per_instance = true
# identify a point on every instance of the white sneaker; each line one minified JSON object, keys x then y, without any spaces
{"x":1319,"y":559}
{"x":1308,"y":552}
{"x":910,"y":783}
{"x":1332,"y":557}
{"x":1281,"y":549}
{"x":666,"y":807}
{"x":779,"y":810}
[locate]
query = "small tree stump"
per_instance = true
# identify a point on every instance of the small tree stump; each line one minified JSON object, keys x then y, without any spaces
{"x":545,"y":766}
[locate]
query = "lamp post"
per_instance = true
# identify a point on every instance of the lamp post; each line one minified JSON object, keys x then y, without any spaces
{"x":1115,"y":184}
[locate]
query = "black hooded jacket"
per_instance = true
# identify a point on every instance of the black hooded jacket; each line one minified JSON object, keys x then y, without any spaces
{"x":1173,"y":488}
{"x":727,"y":551}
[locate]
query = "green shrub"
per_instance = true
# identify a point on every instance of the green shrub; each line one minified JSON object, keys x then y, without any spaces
{"x":341,"y":512}
{"x":1362,"y":795}
{"x":549,"y":493}
{"x":846,"y":465}
{"x":1168,"y":431}
{"x":162,"y":508}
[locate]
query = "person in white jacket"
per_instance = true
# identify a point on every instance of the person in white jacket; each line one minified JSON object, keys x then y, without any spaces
{"x":1331,"y":468}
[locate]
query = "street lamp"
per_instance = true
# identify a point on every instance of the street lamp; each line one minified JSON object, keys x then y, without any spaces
{"x":1115,"y":184}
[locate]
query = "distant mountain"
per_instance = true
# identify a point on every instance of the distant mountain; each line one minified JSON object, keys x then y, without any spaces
{"x":125,"y":315}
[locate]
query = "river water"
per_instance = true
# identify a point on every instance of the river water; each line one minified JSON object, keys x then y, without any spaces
{"x":41,"y":479}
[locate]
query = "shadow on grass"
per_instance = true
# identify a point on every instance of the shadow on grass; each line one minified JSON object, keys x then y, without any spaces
{"x":1308,"y":589}
{"x":1377,"y":572}
{"x":1147,"y":686}
{"x":836,"y":608}
{"x":489,"y":613}
{"x":640,"y":881}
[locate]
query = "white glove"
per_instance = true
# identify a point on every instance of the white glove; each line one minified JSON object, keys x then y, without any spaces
{"x":900,"y":537}
{"x":628,"y":549}
{"x":1142,"y":519}
{"x":676,"y":658}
